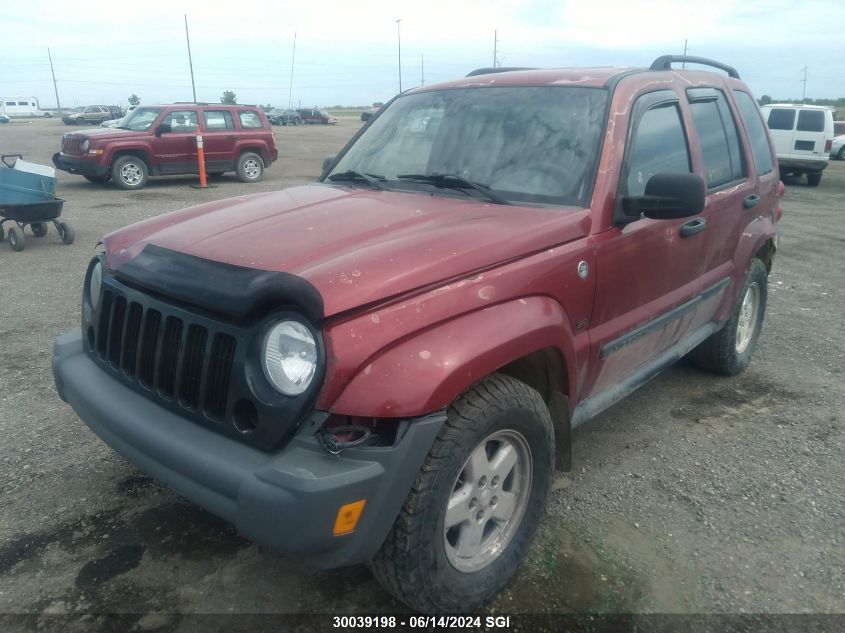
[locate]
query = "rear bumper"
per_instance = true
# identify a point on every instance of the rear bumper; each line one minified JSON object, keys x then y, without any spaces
{"x":79,"y":165}
{"x":287,"y":500}
{"x":804,"y":164}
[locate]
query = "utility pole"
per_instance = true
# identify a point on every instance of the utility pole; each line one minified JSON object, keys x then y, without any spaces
{"x":804,"y":81}
{"x":422,"y":70}
{"x":684,"y":63}
{"x":399,"y":36}
{"x":190,"y":60}
{"x":55,"y":86}
{"x":495,"y":48}
{"x":292,"y":58}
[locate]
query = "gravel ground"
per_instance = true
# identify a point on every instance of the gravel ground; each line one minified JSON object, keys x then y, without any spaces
{"x":698,"y":494}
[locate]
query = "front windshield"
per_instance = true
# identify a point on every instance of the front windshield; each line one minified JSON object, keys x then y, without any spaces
{"x":139,"y":120}
{"x":529,"y":145}
{"x":79,"y":109}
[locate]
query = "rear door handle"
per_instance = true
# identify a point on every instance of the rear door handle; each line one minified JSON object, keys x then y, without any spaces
{"x":696,"y":225}
{"x":750,"y":201}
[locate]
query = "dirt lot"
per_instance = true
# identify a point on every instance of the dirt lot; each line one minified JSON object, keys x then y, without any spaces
{"x":698,"y":494}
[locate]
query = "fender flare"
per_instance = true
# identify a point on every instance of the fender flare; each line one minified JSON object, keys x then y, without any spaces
{"x":428,"y":370}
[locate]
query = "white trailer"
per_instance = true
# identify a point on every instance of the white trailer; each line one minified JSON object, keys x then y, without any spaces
{"x":22,"y":106}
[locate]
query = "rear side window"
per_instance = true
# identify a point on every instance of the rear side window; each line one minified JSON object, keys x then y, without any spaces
{"x":718,"y":137}
{"x":659,"y":146}
{"x":750,"y":114}
{"x":781,"y":119}
{"x":811,"y":121}
{"x":182,"y":121}
{"x":249,"y":119}
{"x":218,"y":120}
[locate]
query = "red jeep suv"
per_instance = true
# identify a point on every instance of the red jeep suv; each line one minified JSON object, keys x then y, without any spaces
{"x":162,"y":140}
{"x":386,"y":366}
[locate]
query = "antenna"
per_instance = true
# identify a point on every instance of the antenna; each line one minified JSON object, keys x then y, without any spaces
{"x":422,"y":70}
{"x":804,"y":81}
{"x":684,"y":64}
{"x":496,"y":49}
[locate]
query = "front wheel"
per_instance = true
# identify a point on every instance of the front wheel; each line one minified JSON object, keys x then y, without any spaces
{"x":130,"y":172}
{"x":476,"y":504}
{"x":729,"y":350}
{"x":842,"y":153}
{"x":66,"y":233}
{"x":250,"y":167}
{"x":98,"y":179}
{"x":39,"y":229}
{"x":16,"y":237}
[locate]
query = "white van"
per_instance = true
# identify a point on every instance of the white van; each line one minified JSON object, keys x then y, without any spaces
{"x":22,"y":106}
{"x":803,"y":135}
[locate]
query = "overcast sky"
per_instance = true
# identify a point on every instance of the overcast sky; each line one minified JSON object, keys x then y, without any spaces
{"x":346,"y":51}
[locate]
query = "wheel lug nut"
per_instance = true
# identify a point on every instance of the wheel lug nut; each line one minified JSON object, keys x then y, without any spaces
{"x":482,"y":482}
{"x":495,"y":481}
{"x":480,"y":515}
{"x":494,"y":501}
{"x":472,"y":503}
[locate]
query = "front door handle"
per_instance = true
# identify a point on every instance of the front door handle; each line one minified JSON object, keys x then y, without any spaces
{"x":231,"y":138}
{"x":692,"y":227}
{"x":750,"y":201}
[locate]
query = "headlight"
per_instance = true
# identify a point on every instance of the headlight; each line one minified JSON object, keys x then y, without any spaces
{"x":85,"y":145}
{"x":289,"y":357}
{"x":95,"y":280}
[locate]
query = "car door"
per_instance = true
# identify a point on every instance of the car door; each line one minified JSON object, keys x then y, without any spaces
{"x":732,"y":194}
{"x":810,"y":136}
{"x":648,"y":271}
{"x":175,"y":145}
{"x":219,"y":139}
{"x":781,"y":122}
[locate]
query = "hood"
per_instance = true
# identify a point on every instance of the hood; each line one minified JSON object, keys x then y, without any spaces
{"x":105,"y":133}
{"x":356,"y":246}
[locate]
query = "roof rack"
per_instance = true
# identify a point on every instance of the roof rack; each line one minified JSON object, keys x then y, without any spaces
{"x":665,"y":62}
{"x":194,"y":102}
{"x":497,"y":69}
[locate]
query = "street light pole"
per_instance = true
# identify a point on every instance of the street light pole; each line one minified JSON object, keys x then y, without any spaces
{"x":399,"y":36}
{"x":55,"y":86}
{"x":190,"y":60}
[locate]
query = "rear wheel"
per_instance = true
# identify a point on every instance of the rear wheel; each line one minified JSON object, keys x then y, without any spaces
{"x":729,"y":350}
{"x":17,"y":240}
{"x":250,"y":167}
{"x":39,"y":229}
{"x":98,"y":179}
{"x":842,"y":153}
{"x":477,"y":501}
{"x":814,"y":178}
{"x":129,"y":172}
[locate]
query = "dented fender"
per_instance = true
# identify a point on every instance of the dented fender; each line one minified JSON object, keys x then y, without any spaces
{"x":429,"y":369}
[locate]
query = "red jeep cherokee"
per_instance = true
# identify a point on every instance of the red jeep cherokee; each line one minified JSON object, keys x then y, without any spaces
{"x":162,"y":140}
{"x":386,"y":365}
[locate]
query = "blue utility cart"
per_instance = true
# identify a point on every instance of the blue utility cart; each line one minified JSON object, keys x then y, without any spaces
{"x":28,"y":198}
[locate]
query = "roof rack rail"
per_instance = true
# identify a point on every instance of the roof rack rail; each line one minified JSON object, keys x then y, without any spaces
{"x":194,"y":102}
{"x":664,"y":62}
{"x":497,"y":69}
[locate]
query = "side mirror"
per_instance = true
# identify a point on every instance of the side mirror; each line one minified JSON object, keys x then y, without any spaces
{"x":328,"y":162}
{"x":667,"y":197}
{"x":163,"y":128}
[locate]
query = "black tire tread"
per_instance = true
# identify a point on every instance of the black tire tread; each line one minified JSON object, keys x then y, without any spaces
{"x":718,"y":353}
{"x":398,"y":565}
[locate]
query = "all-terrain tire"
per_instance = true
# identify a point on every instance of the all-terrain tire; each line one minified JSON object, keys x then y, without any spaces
{"x":413,"y":563}
{"x":722,"y":352}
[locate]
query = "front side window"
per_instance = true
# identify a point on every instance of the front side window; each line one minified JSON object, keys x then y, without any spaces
{"x":749,"y":111}
{"x":781,"y":119}
{"x":811,"y":121}
{"x":140,"y":119}
{"x":218,"y":120}
{"x":659,"y":145}
{"x":182,"y":121}
{"x":718,"y":137}
{"x":531,"y":145}
{"x":249,"y":119}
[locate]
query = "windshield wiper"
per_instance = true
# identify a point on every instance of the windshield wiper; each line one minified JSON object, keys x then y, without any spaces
{"x":351,"y":175}
{"x":453,"y":181}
